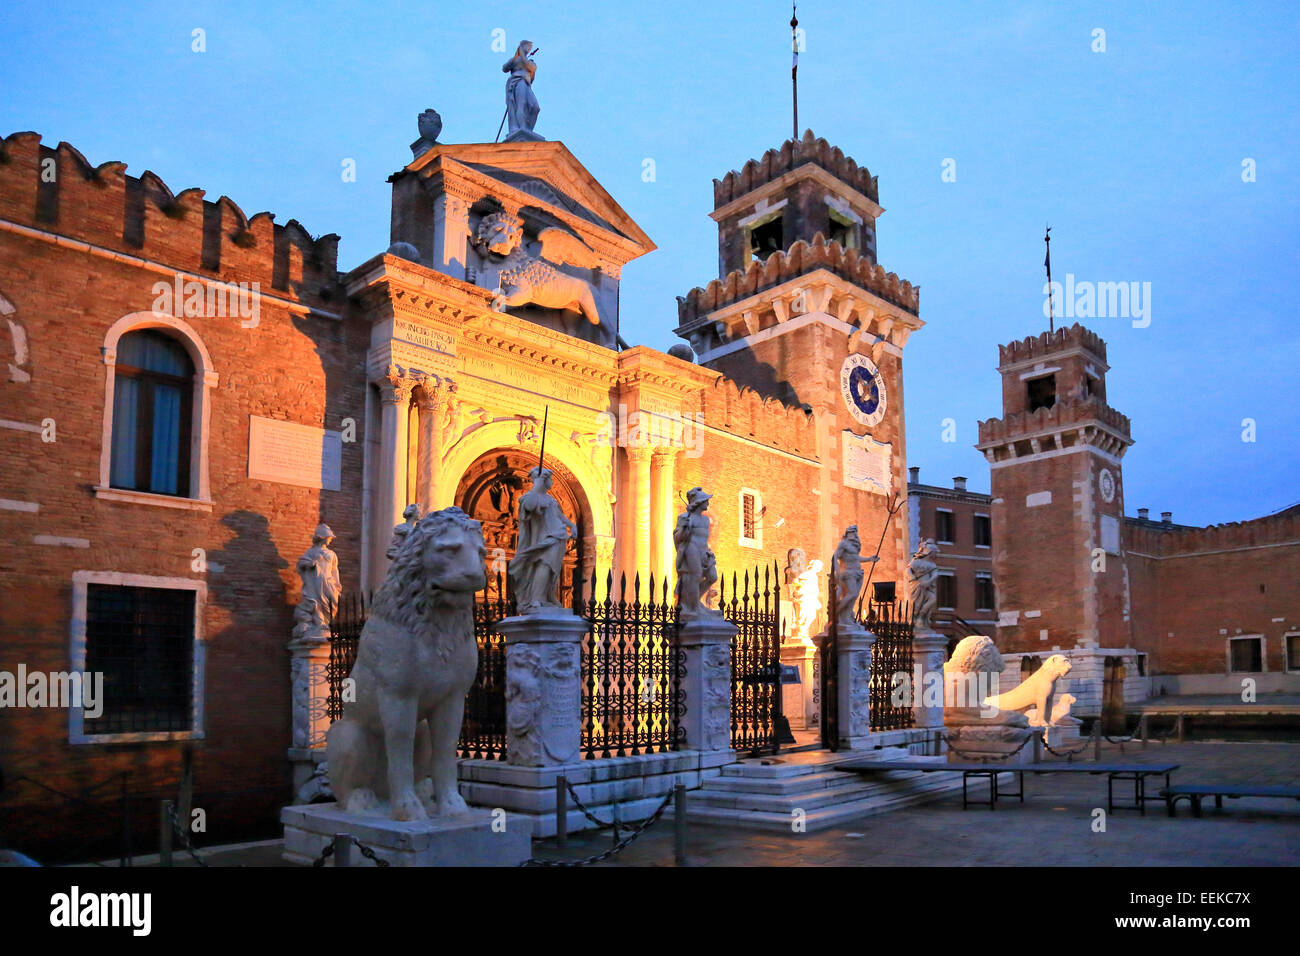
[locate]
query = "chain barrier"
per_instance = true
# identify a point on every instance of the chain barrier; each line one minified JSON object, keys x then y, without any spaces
{"x":1067,"y":754}
{"x":983,"y":757}
{"x":368,"y":853}
{"x":618,"y":847}
{"x":184,"y":838}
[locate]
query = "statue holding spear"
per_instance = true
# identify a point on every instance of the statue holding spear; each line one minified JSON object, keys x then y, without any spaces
{"x":544,"y":534}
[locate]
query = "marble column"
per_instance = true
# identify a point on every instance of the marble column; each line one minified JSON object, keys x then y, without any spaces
{"x":929,"y":648}
{"x":390,"y":489}
{"x":705,"y":645}
{"x":640,"y":505}
{"x":309,"y":659}
{"x":663,"y":553}
{"x":431,"y":399}
{"x":543,"y":688}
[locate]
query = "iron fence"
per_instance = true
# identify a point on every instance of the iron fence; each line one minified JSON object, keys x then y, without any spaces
{"x":631,"y":670}
{"x":754,"y":606}
{"x":891,"y":655}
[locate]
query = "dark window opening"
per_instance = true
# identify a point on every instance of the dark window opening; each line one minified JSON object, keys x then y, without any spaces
{"x":1293,"y":652}
{"x":947,"y":591}
{"x":883,"y":592}
{"x":766,"y":238}
{"x":943,"y":527}
{"x":984,"y":596}
{"x":843,"y":232}
{"x":983,"y":531}
{"x":142,"y":641}
{"x":1247,"y":654}
{"x":749,"y":523}
{"x":1042,"y":392}
{"x":1029,"y":665}
{"x":153,"y":388}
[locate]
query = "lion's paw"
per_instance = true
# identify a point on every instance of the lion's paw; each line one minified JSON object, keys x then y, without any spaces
{"x":407,"y":806}
{"x":451,"y":804}
{"x":361,"y":800}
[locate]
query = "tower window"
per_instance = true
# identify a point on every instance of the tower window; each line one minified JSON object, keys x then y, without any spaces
{"x":766,"y":238}
{"x":1041,"y":392}
{"x":844,"y":231}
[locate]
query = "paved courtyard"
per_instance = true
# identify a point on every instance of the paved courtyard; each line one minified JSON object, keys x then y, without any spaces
{"x":1054,"y":826}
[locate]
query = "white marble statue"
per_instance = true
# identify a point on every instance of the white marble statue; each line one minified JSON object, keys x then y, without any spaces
{"x":394,"y":749}
{"x":521,"y":104}
{"x":803,"y":580}
{"x":697,"y":569}
{"x":544,"y":533}
{"x":1061,"y":716}
{"x":524,"y":279}
{"x":847,"y":566}
{"x":1035,"y":691}
{"x":923,"y":584}
{"x":319,"y":570}
{"x":410,"y":515}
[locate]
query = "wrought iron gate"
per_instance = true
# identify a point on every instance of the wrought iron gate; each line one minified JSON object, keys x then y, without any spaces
{"x":891,"y":655}
{"x":755,"y":608}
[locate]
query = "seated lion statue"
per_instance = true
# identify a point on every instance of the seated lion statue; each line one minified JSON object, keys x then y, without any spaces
{"x":1035,"y":691}
{"x":416,"y":660}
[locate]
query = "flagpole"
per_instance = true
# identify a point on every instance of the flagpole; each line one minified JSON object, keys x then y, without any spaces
{"x":1051,"y":317}
{"x":794,"y":64}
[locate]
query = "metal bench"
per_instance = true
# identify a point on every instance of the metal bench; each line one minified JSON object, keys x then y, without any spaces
{"x":1195,"y":793}
{"x":1114,"y":771}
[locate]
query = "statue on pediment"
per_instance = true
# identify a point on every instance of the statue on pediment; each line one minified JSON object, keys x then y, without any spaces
{"x":521,"y":104}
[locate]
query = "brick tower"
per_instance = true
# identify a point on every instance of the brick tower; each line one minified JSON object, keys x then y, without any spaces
{"x":801,"y":313}
{"x":1058,"y":496}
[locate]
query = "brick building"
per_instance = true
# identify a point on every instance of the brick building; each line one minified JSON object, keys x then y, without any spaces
{"x":960,"y":523}
{"x":191,"y":391}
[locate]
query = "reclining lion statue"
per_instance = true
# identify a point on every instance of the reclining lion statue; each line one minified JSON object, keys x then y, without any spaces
{"x":396,"y":742}
{"x":534,"y":280}
{"x":1035,"y":691}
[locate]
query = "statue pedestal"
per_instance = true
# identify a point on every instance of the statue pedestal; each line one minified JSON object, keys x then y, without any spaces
{"x":853,"y":661}
{"x":309,"y":658}
{"x":929,"y":648}
{"x":543,"y":687}
{"x":798,"y":702}
{"x":523,"y":136}
{"x":705,"y":645}
{"x":972,"y":743}
{"x":463,"y":840}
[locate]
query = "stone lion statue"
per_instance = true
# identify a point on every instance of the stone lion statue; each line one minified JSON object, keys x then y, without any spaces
{"x":1035,"y":691}
{"x":529,"y":280}
{"x":396,"y":743}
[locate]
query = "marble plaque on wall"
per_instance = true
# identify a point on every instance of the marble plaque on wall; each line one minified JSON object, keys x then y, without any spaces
{"x":294,"y":454}
{"x":866,"y":463}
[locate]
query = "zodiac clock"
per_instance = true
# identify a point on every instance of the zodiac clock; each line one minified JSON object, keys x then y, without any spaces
{"x":864,"y":389}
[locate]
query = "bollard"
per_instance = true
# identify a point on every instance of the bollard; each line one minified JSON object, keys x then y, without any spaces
{"x":1038,"y":745}
{"x":1142,"y":729}
{"x":1180,"y":728}
{"x":1096,"y":740}
{"x":679,"y":824}
{"x":342,"y":849}
{"x":165,"y":834}
{"x":561,"y":812}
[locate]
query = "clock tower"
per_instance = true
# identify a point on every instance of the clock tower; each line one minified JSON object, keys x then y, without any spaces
{"x":801,"y":313}
{"x":1058,"y":496}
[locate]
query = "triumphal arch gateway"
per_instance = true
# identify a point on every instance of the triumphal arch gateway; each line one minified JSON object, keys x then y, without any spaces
{"x":496,"y":309}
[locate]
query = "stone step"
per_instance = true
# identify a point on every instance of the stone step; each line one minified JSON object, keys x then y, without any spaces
{"x":806,"y":800}
{"x":826,"y":779}
{"x":911,"y":792}
{"x":806,"y":763}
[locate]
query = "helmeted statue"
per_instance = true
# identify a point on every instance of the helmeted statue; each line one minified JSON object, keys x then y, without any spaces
{"x":321,"y":587}
{"x":847,"y":566}
{"x":923,"y":584}
{"x":521,"y":105}
{"x":544,"y":533}
{"x":697,"y":569}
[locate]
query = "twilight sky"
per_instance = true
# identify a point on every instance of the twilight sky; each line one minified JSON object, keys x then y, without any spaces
{"x":1134,"y":155}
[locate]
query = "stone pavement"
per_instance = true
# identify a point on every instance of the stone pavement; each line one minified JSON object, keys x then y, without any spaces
{"x":1053,"y":827}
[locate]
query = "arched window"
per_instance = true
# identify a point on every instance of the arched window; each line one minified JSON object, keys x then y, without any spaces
{"x":153,"y":393}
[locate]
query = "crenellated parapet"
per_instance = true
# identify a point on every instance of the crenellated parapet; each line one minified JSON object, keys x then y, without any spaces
{"x":58,"y":191}
{"x":1066,"y":423}
{"x":1036,"y":347}
{"x":790,"y":155}
{"x":1164,"y":539}
{"x":781,"y":267}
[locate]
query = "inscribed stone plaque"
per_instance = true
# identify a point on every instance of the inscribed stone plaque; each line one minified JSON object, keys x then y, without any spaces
{"x":866,"y":463}
{"x":1110,"y":534}
{"x":294,"y":454}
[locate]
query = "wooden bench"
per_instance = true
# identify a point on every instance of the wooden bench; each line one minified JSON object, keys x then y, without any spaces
{"x":1195,"y":793}
{"x":1114,"y":771}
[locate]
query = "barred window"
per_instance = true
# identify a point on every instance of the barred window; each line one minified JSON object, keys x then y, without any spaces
{"x":748,"y":524}
{"x":142,"y":640}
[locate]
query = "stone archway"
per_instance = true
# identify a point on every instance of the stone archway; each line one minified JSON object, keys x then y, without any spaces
{"x":489,"y":492}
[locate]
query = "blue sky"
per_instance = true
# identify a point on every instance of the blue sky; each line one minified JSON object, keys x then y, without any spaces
{"x":1134,"y":155}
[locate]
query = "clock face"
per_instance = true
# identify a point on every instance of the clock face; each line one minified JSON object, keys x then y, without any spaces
{"x":1106,"y":482}
{"x":863,"y":388}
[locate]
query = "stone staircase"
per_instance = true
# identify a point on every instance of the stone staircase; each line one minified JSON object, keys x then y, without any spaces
{"x":763,"y":793}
